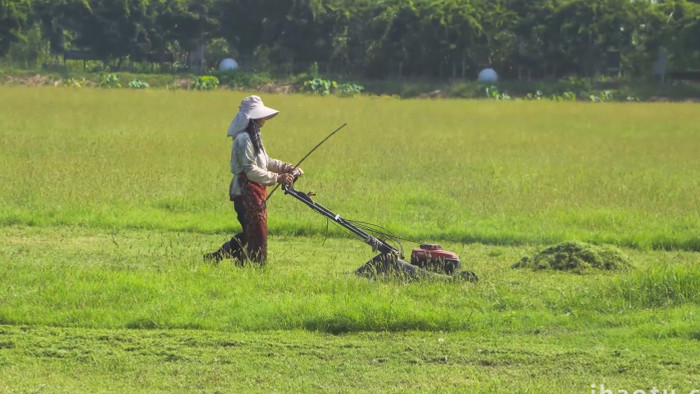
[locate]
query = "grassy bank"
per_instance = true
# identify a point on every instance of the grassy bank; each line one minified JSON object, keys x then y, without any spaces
{"x":565,"y":89}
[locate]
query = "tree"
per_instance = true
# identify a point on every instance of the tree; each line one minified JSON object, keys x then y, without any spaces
{"x":582,"y":32}
{"x":13,"y":18}
{"x":376,"y":38}
{"x":190,"y":23}
{"x":112,"y":28}
{"x":680,"y":33}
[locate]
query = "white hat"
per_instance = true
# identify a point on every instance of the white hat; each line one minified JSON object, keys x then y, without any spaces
{"x":251,"y":107}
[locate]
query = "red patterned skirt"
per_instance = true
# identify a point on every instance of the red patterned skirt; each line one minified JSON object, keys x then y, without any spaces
{"x":254,"y":195}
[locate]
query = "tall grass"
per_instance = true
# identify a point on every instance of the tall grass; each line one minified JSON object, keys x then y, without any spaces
{"x":499,"y":173}
{"x":660,"y":287}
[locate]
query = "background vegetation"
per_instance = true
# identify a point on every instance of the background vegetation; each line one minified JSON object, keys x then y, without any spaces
{"x":360,"y":38}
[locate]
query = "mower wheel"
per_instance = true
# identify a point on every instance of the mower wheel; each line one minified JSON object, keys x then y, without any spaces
{"x":468,"y":276}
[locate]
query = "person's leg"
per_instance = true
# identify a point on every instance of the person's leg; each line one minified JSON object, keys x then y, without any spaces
{"x":251,"y":243}
{"x":254,"y":196}
{"x":234,"y":247}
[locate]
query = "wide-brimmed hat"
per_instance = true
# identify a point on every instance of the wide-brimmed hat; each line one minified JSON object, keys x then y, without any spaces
{"x":251,"y":107}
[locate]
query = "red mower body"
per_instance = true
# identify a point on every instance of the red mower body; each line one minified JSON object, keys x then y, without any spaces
{"x":433,"y":258}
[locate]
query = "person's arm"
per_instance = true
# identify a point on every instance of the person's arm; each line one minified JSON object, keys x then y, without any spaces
{"x":281,"y":167}
{"x":278,"y":166}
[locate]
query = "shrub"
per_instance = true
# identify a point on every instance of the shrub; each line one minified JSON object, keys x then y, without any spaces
{"x":207,"y":82}
{"x":241,"y":79}
{"x":109,"y":81}
{"x":605,"y":95}
{"x":319,"y":86}
{"x":349,"y":89}
{"x":325,"y":87}
{"x":75,"y":82}
{"x":137,"y":84}
{"x":493,"y":93}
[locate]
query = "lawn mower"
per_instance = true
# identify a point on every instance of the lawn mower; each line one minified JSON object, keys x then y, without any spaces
{"x":427,"y":261}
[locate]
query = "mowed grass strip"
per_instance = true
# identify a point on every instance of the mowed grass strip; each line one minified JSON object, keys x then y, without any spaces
{"x":61,"y":359}
{"x":470,"y":171}
{"x":156,"y":280}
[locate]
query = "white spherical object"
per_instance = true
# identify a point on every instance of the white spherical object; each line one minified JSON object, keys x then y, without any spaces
{"x":488,"y":75}
{"x":228,"y":64}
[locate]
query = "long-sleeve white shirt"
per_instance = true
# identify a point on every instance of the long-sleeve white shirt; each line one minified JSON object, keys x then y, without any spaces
{"x":258,"y":168}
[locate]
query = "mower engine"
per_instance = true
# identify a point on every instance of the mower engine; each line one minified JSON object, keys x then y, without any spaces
{"x":432,"y":257}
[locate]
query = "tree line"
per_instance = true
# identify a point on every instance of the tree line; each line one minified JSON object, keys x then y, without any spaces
{"x":368,"y":38}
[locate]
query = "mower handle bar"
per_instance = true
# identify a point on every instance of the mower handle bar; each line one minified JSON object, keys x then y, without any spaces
{"x":374,"y":242}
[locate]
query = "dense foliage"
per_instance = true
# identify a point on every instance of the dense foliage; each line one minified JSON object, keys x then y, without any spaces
{"x":370,"y":38}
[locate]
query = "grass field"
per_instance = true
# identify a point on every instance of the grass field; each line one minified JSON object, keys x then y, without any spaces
{"x":109,"y":199}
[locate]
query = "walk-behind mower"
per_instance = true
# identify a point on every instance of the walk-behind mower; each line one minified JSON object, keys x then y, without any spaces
{"x":427,"y":261}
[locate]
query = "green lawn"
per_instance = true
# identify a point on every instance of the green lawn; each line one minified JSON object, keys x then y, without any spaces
{"x":135,"y":310}
{"x":110,"y":197}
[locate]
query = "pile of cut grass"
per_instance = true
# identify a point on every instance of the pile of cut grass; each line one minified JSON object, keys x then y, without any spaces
{"x":577,"y":257}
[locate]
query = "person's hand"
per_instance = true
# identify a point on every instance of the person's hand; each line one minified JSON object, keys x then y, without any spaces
{"x":285,"y":179}
{"x":297,"y":172}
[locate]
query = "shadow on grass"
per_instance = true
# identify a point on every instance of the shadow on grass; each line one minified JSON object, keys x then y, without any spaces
{"x":345,"y":324}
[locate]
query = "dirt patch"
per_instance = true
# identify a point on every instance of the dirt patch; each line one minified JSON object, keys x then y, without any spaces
{"x":435,"y":94}
{"x":181,"y":83}
{"x":577,"y":257}
{"x":30,"y":80}
{"x":277,"y":88}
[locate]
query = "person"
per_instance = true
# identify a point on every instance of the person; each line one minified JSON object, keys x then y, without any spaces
{"x":253,"y":170}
